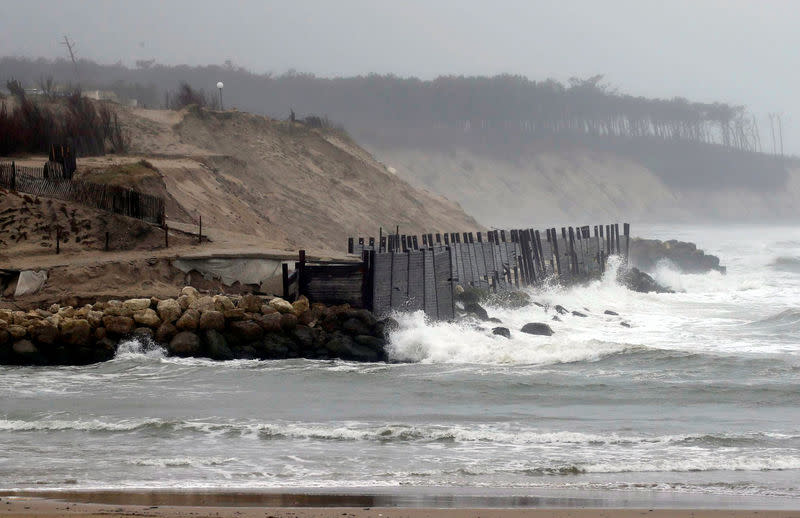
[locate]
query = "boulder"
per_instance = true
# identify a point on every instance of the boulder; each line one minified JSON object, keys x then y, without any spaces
{"x":579,"y":314}
{"x":624,"y":324}
{"x":561,"y":310}
{"x":75,"y":331}
{"x":118,"y":324}
{"x":147,"y":317}
{"x":288,"y":322}
{"x":373,"y":342}
{"x":363,"y":315}
{"x":212,"y":320}
{"x":100,"y":333}
{"x":189,"y":291}
{"x":5,"y":337}
{"x":609,"y":312}
{"x":250,"y":303}
{"x":636,"y":280}
{"x":6,"y":315}
{"x":556,"y":319}
{"x":494,"y":320}
{"x":67,"y":312}
{"x":216,"y":345}
{"x":301,"y":305}
{"x":189,"y":320}
{"x":169,"y":310}
{"x":473,"y":308}
{"x":184,"y":302}
{"x":25,"y":348}
{"x":280,"y":305}
{"x":184,"y":343}
{"x":234,"y":314}
{"x":385,"y":327}
{"x":472,"y":294}
{"x":202,"y":304}
{"x":501,"y":331}
{"x":165,"y":333}
{"x":266,"y":309}
{"x":114,"y":308}
{"x":270,"y":323}
{"x":246,"y":331}
{"x":17,"y":331}
{"x":304,"y":336}
{"x":537,"y":328}
{"x":43,"y":332}
{"x":340,"y":345}
{"x":95,"y":318}
{"x":222,"y":303}
{"x":132,"y":306}
{"x":354,"y":326}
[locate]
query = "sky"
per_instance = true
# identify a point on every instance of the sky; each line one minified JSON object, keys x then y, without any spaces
{"x":736,"y":51}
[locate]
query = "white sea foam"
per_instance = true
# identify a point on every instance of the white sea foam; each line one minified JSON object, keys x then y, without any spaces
{"x":139,"y":348}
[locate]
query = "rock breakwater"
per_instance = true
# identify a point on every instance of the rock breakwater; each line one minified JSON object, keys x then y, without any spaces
{"x":219,"y":327}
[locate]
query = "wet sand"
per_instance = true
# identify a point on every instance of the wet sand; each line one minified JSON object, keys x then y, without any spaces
{"x":186,"y":504}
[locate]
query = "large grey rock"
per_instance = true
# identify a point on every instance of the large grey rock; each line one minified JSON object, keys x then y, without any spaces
{"x":636,"y":280}
{"x":537,"y":328}
{"x":355,"y":326}
{"x":212,"y":320}
{"x":246,"y":331}
{"x":165,"y":333}
{"x":169,"y":310}
{"x":147,"y":317}
{"x":118,"y":325}
{"x":184,"y":343}
{"x":473,"y":308}
{"x":343,"y":346}
{"x":75,"y":331}
{"x":501,"y":331}
{"x":217,"y":346}
{"x":189,"y":320}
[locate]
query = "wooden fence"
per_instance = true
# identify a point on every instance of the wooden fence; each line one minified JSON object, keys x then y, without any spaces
{"x":409,"y":273}
{"x":111,"y":198}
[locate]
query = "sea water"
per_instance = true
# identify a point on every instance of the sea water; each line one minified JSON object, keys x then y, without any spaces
{"x":701,"y":394}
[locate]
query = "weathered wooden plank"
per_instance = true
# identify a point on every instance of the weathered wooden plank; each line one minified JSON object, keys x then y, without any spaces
{"x":430,"y":306}
{"x":416,"y":282}
{"x":399,"y":280}
{"x":444,"y":287}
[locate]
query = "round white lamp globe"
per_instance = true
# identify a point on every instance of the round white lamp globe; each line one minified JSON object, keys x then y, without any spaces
{"x":220,"y":85}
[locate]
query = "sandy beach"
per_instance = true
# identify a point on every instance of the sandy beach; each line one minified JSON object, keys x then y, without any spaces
{"x":30,"y":507}
{"x":352,"y":505}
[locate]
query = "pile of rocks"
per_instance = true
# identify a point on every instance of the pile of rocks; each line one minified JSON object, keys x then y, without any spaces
{"x":218,"y":327}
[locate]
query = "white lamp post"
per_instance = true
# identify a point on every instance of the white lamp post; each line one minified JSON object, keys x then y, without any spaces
{"x":219,"y":86}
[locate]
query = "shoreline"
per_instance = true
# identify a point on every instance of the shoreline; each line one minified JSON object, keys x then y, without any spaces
{"x":401,"y":497}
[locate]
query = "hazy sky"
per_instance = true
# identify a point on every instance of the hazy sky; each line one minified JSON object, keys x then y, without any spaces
{"x":739,"y":51}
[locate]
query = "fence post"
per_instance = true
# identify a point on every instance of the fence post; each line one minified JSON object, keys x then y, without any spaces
{"x":285,"y":278}
{"x":627,"y":232}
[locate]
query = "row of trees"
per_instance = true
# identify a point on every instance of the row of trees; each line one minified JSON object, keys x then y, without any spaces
{"x":365,"y":104}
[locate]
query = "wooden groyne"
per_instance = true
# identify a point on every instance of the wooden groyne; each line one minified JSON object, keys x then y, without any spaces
{"x":410,"y":272}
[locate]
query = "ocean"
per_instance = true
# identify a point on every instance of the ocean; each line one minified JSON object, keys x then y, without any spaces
{"x":700,"y":396}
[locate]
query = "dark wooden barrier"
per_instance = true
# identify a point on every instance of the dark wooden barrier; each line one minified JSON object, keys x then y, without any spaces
{"x":111,"y":198}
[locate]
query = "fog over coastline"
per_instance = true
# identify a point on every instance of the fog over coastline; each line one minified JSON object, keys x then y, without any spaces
{"x":728,"y":51}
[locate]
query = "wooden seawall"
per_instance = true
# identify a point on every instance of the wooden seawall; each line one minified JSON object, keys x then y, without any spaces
{"x":409,"y":273}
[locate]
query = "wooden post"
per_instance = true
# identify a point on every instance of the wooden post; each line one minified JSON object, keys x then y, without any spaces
{"x":556,"y":252}
{"x":627,"y":231}
{"x":480,"y":239}
{"x":616,"y":237}
{"x":350,"y":246}
{"x":301,"y":264}
{"x":285,"y":278}
{"x":572,"y":255}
